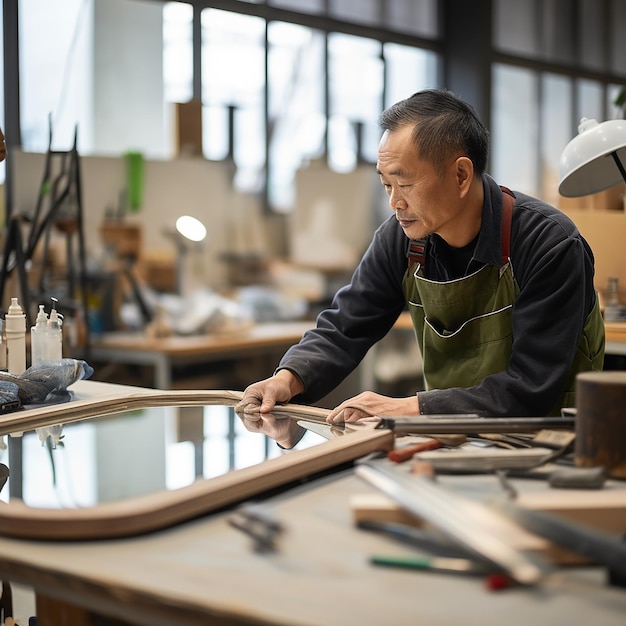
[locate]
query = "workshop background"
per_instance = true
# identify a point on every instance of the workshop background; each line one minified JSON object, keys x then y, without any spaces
{"x":260,"y":120}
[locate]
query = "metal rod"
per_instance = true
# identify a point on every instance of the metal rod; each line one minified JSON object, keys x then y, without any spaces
{"x":462,"y":424}
{"x":620,"y":167}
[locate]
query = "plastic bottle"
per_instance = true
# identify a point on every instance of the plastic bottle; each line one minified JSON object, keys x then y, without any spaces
{"x":15,"y":328}
{"x":54,"y":338}
{"x":39,"y":338}
{"x":3,"y":347}
{"x":612,"y":310}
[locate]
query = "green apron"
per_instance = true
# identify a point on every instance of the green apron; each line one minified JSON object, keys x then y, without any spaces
{"x":464,"y":328}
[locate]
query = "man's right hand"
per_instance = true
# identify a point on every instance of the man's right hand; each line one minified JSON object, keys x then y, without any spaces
{"x":262,"y":397}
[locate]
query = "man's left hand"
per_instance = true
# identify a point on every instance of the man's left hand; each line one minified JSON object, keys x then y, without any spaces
{"x":368,"y":404}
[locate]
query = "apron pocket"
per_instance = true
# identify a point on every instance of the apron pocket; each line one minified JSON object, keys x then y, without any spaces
{"x":463,"y":357}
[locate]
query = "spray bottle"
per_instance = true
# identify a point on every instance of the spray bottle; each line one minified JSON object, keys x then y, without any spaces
{"x":15,"y":328}
{"x":39,"y":338}
{"x":54,"y":338}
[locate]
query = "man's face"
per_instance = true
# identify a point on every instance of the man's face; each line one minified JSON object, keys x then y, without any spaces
{"x":424,"y":200}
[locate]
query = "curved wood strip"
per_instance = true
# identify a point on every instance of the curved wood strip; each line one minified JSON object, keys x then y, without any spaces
{"x":156,"y":511}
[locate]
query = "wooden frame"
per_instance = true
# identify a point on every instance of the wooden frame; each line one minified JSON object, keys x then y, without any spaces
{"x":156,"y":511}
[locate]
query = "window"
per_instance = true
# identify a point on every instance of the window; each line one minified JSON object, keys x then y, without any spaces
{"x":356,"y":100}
{"x":567,"y":55}
{"x":515,"y":128}
{"x":276,"y":94}
{"x":408,"y":70}
{"x":177,"y":52}
{"x":297,"y":120}
{"x":55,"y":74}
{"x":233,"y":92}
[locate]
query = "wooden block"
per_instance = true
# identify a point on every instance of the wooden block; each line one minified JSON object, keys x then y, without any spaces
{"x":122,"y":237}
{"x":188,"y":124}
{"x":604,"y":509}
{"x":379,"y":508}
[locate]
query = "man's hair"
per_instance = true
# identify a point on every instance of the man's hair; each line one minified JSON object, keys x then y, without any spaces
{"x":444,"y":126}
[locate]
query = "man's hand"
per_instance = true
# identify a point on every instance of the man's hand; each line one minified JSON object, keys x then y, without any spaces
{"x":368,"y":404}
{"x":284,"y":430}
{"x":262,"y":397}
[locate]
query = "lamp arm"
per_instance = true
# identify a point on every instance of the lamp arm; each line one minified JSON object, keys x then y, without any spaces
{"x":620,"y":167}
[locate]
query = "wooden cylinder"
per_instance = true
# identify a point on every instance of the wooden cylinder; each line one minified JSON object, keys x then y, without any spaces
{"x":601,"y":421}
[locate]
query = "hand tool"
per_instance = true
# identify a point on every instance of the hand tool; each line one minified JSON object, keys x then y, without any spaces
{"x":399,"y":455}
{"x":405,"y":453}
{"x":441,"y":564}
{"x":467,"y":522}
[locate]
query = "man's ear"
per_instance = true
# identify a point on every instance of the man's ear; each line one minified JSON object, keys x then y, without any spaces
{"x":464,"y":174}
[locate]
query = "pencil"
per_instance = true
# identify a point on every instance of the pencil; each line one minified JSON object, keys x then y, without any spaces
{"x":446,"y":565}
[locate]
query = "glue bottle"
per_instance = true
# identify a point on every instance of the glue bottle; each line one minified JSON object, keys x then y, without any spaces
{"x":39,"y":338}
{"x":54,"y":338}
{"x":15,"y":328}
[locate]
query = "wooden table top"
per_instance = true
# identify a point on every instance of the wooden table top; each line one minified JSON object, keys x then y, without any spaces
{"x":256,"y":336}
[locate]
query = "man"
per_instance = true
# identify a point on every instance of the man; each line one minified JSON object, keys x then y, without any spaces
{"x":499,"y":285}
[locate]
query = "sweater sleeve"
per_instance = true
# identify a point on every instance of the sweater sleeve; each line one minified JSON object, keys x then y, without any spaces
{"x":554,"y":269}
{"x":361,"y":313}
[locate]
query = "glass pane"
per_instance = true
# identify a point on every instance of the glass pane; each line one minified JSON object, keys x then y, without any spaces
{"x":296,"y":106}
{"x":215,"y":137}
{"x":592,"y":36}
{"x":590,"y":96}
{"x":613,"y":111}
{"x":177,"y":52}
{"x":515,"y":117}
{"x":69,"y":465}
{"x":412,"y":16}
{"x":233,"y":75}
{"x":408,"y":70}
{"x":515,"y":27}
{"x":556,"y":130}
{"x":558,"y":38}
{"x":55,"y":73}
{"x":362,"y":11}
{"x":356,"y":87}
{"x":617,"y":21}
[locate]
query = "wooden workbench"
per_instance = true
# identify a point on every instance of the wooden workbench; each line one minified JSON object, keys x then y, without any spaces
{"x":204,"y":572}
{"x":163,"y":354}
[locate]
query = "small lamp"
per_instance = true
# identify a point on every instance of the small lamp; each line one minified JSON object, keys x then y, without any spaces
{"x":593,"y":160}
{"x":189,"y":230}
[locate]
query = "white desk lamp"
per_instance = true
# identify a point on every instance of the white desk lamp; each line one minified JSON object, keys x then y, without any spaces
{"x":188,"y":229}
{"x":595,"y":159}
{"x":191,"y":228}
{"x":592,"y":162}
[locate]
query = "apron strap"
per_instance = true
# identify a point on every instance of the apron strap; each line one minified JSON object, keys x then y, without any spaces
{"x":416,"y":250}
{"x":508,"y":200}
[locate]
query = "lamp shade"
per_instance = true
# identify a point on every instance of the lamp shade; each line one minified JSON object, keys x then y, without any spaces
{"x":591,"y":161}
{"x":191,"y":228}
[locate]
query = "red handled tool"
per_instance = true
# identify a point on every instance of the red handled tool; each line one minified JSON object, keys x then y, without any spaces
{"x":404,"y":454}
